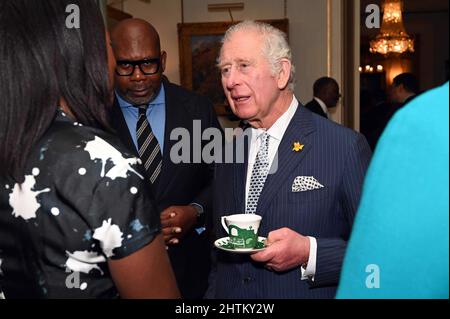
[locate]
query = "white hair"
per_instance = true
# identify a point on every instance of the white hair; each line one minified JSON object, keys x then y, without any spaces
{"x":275,"y":46}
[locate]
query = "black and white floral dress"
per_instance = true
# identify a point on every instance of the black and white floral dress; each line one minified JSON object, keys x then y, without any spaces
{"x":83,"y":200}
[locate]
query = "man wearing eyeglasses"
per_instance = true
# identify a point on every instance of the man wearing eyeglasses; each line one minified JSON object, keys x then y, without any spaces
{"x":147,"y":109}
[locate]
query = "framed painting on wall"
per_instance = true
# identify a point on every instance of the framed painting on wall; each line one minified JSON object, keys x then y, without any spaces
{"x":199,"y":45}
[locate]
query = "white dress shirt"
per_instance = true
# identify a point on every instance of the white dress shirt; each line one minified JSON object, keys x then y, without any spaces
{"x":276,"y":133}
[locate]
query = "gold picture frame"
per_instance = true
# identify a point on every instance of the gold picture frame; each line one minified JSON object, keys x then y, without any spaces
{"x":199,"y":45}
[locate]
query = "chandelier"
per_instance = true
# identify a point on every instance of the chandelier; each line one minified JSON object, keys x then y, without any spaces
{"x":393,"y":37}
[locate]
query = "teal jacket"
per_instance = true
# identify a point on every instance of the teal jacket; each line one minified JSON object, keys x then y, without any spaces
{"x":399,"y":244}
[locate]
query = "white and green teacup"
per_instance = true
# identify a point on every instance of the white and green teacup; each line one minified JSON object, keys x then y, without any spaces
{"x":242,"y":230}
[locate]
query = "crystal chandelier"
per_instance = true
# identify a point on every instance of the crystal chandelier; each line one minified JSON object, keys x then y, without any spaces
{"x":393,"y":37}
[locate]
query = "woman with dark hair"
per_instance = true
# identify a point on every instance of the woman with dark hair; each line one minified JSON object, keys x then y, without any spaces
{"x":75,"y":218}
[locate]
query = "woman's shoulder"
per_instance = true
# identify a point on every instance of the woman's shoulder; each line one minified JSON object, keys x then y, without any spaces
{"x":69,"y":146}
{"x":70,"y":137}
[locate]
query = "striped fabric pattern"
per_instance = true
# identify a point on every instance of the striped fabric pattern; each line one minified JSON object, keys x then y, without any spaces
{"x":149,"y":150}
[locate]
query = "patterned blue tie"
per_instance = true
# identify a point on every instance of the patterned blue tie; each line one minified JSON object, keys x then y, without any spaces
{"x":259,"y":174}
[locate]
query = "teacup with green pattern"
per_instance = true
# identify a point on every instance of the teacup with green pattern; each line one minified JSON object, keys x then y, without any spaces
{"x":242,"y":230}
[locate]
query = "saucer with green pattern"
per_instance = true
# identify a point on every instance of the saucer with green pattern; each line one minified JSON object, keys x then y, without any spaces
{"x":224,"y":244}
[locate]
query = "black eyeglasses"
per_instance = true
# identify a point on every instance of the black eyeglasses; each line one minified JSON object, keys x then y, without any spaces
{"x":147,"y":66}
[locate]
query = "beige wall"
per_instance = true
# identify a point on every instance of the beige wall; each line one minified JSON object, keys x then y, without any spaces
{"x":197,"y":10}
{"x":308,"y":33}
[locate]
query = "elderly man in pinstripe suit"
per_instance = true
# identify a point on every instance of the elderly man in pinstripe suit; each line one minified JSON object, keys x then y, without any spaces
{"x":302,"y":174}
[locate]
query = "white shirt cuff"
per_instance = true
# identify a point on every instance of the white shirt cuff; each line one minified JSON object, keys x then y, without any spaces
{"x":310,"y":271}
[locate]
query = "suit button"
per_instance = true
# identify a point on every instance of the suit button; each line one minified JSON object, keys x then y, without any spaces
{"x":247,"y":280}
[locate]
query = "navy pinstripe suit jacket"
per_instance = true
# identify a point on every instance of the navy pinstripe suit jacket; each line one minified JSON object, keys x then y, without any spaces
{"x":338,"y":158}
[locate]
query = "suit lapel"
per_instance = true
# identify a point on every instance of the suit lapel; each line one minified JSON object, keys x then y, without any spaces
{"x":175,"y":117}
{"x":240,"y":174}
{"x":298,"y":130}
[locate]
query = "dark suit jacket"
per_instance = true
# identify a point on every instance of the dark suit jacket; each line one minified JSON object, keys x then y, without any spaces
{"x":182,"y":184}
{"x":338,"y":158}
{"x":315,"y":107}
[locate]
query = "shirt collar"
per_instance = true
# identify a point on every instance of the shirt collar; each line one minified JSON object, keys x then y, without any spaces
{"x":158,"y":100}
{"x":322,"y":105}
{"x":280,"y":126}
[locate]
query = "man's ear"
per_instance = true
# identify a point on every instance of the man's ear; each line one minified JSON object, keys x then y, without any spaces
{"x":163,"y":61}
{"x":285,"y":73}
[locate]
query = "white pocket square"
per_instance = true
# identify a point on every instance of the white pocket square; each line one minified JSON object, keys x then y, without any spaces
{"x":305,"y":183}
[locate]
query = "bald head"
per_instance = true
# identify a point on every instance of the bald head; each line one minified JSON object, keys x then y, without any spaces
{"x":140,"y":61}
{"x":135,"y":31}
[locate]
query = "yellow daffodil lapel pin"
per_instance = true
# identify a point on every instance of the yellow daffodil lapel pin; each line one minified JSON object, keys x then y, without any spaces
{"x":297,"y":147}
